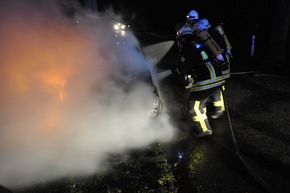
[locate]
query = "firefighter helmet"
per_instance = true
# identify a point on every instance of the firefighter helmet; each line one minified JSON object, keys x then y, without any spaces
{"x":203,"y":24}
{"x":192,"y":15}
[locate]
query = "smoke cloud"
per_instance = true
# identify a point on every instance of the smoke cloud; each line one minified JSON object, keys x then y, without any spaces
{"x":69,"y":96}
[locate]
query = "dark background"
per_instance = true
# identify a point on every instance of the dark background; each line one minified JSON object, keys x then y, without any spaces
{"x":240,"y":19}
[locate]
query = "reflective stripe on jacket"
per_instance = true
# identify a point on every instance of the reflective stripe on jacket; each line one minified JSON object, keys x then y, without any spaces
{"x":207,"y":75}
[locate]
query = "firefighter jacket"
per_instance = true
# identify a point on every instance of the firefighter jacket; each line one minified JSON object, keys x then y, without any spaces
{"x":195,"y":61}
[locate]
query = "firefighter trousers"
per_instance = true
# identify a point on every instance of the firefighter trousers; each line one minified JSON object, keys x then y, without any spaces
{"x":197,"y":105}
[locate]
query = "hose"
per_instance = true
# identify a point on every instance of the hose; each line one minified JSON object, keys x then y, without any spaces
{"x":238,"y":151}
{"x":257,"y":73}
{"x":240,"y":155}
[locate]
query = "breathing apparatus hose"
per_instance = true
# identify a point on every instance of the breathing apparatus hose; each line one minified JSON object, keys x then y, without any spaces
{"x":240,"y":155}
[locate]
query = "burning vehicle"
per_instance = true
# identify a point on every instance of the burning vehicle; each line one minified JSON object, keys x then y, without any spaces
{"x":125,"y":39}
{"x":73,"y":93}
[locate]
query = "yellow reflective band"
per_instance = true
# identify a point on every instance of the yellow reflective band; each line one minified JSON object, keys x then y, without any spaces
{"x":199,"y":115}
{"x":226,"y":76}
{"x":216,"y":79}
{"x":222,"y":101}
{"x":204,"y":55}
{"x":201,"y":121}
{"x":177,"y":70}
{"x":203,"y":125}
{"x":204,"y":87}
{"x":211,"y":70}
{"x":199,"y":118}
{"x":226,"y":71}
{"x":217,"y":103}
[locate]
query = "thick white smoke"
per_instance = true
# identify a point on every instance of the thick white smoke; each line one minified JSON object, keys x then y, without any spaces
{"x":69,"y":96}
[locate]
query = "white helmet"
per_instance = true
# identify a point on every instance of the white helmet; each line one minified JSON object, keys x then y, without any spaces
{"x":192,"y":15}
{"x":203,"y":24}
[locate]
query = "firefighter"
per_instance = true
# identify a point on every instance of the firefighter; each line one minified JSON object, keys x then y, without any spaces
{"x":216,"y":101}
{"x":187,"y":28}
{"x":181,"y":35}
{"x":208,"y":81}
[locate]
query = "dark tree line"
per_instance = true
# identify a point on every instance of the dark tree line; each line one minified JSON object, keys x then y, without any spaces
{"x":279,"y":40}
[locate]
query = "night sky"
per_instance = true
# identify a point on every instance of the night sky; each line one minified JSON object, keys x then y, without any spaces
{"x":166,"y":14}
{"x":240,"y":19}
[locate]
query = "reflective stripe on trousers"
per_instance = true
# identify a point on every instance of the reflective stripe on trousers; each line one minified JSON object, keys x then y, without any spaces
{"x":218,"y":100}
{"x":199,"y":116}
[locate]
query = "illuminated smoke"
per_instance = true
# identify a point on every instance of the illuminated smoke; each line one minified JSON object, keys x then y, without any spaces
{"x":68,"y":97}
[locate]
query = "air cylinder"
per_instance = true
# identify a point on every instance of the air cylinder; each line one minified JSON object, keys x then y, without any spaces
{"x":221,"y":31}
{"x":209,"y":42}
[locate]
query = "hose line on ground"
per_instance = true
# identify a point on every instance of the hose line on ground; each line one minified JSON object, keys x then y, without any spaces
{"x":240,"y":155}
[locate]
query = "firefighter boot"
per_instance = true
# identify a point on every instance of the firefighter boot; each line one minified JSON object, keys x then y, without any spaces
{"x":216,"y":114}
{"x":204,"y":133}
